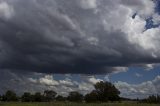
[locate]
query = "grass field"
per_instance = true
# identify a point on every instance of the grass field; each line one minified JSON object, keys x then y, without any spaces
{"x":76,"y":104}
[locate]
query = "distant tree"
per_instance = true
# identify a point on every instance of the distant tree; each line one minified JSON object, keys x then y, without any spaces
{"x":155,"y":99}
{"x":27,"y":97}
{"x":60,"y":98}
{"x":0,"y":98}
{"x":75,"y":97}
{"x":91,"y":97}
{"x":106,"y":91}
{"x":9,"y":96}
{"x":37,"y":97}
{"x":152,"y":99}
{"x":49,"y":95}
{"x":158,"y":99}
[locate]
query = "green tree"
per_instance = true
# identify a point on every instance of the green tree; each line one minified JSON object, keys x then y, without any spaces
{"x":75,"y":97}
{"x":37,"y":97}
{"x":60,"y":98}
{"x":91,"y":97}
{"x":26,"y":97}
{"x":106,"y":91}
{"x":0,"y":98}
{"x":10,"y":96}
{"x":158,"y":98}
{"x":49,"y":95}
{"x":152,"y":99}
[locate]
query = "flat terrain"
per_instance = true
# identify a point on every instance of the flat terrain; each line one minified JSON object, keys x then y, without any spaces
{"x":76,"y":104}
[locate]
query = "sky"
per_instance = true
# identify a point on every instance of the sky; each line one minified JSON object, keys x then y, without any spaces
{"x":69,"y":45}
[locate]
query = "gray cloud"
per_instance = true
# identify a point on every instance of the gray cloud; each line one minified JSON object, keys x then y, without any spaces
{"x":76,"y":36}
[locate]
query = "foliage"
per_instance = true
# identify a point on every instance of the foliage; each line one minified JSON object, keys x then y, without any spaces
{"x":104,"y":91}
{"x":60,"y":98}
{"x":49,"y":95}
{"x":75,"y":97}
{"x":91,"y":97}
{"x":152,"y":99}
{"x":27,"y":97}
{"x":10,"y":96}
{"x":37,"y":97}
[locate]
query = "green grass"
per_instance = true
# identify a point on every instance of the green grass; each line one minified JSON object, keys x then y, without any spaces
{"x":75,"y":104}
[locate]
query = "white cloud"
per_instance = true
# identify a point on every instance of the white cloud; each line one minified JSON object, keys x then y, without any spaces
{"x":85,"y":87}
{"x":149,"y":67}
{"x":139,"y":90}
{"x":146,"y":39}
{"x":93,"y":80}
{"x":62,"y":86}
{"x":67,"y":82}
{"x":144,"y":8}
{"x":48,"y":80}
{"x":156,"y":19}
{"x":6,"y":11}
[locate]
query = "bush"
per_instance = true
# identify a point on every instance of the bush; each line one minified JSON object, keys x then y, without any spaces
{"x":75,"y":97}
{"x":60,"y":98}
{"x":91,"y":97}
{"x":27,"y":97}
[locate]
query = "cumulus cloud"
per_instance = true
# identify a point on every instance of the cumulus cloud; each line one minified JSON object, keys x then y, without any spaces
{"x":48,"y":80}
{"x":77,"y":36}
{"x":91,"y":79}
{"x":156,"y":19}
{"x":139,"y":90}
{"x":35,"y":82}
{"x":67,"y":82}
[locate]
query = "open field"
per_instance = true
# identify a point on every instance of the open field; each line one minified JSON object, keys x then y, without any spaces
{"x":75,"y":104}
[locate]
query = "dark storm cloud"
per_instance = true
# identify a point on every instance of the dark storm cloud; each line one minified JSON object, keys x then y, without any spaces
{"x":57,"y":36}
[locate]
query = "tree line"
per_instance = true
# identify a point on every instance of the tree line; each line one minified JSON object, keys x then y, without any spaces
{"x":152,"y":99}
{"x":103,"y":92}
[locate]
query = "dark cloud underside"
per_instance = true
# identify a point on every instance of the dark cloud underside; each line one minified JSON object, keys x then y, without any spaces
{"x":76,"y":36}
